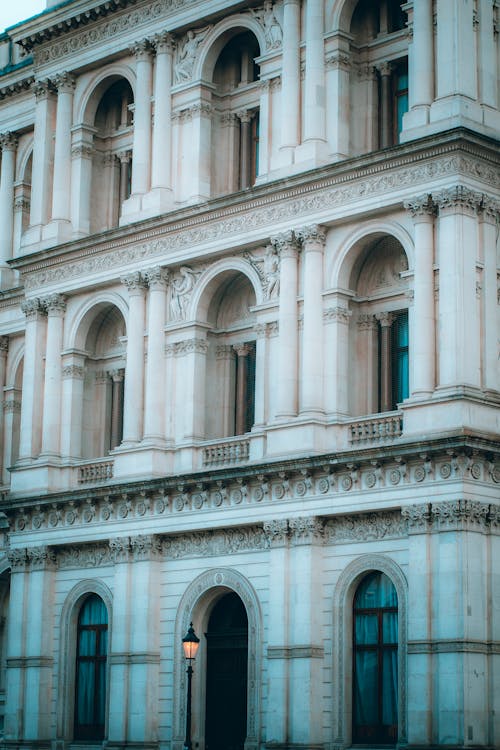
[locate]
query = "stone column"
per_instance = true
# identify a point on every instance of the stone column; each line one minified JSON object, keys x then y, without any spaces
{"x":191,"y":377}
{"x":385,"y":70}
{"x":39,"y":643}
{"x":141,"y":149}
{"x":61,"y":190}
{"x":11,"y":415}
{"x":15,"y":677}
{"x":72,"y":374}
{"x":8,"y":144}
{"x":22,"y":204}
{"x":278,"y":663}
{"x":264,"y":127}
{"x":154,"y":421}
{"x":119,"y":665}
{"x":290,"y":80}
{"x":34,"y":351}
{"x":117,"y":378}
{"x":423,"y":334}
{"x":161,"y":179}
{"x":43,"y":156}
{"x":338,"y":69}
{"x":315,"y":94}
{"x":489,"y":217}
{"x":420,"y":64}
{"x":287,"y":375}
{"x":385,"y":320}
{"x":337,"y":370}
{"x":245,"y":118}
{"x":242,"y":351}
{"x":313,"y":244}
{"x":261,"y":371}
{"x":459,"y":334}
{"x":4,"y":435}
{"x":199,"y":137}
{"x":305,"y":645}
{"x":222,"y":393}
{"x":51,"y":430}
{"x":144,"y":639}
{"x":455,"y":44}
{"x":133,"y":410}
{"x":81,"y":178}
{"x":366,"y":377}
{"x":488,"y":92}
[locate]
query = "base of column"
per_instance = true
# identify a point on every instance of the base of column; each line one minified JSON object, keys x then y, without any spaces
{"x":158,"y":201}
{"x":131,"y":210}
{"x":57,"y":232}
{"x":313,"y":152}
{"x":140,"y":461}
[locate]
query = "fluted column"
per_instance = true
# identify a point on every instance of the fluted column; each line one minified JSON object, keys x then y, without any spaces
{"x":134,"y":370}
{"x":41,"y":180}
{"x":61,"y":193}
{"x":8,"y":144}
{"x":423,"y":335}
{"x":34,"y":351}
{"x":287,"y":375}
{"x":313,"y":243}
{"x":386,"y":320}
{"x":459,"y":332}
{"x":154,"y":417}
{"x":385,"y":70}
{"x":51,"y":430}
{"x":315,"y":95}
{"x":290,"y":79}
{"x":141,"y":159}
{"x":161,"y":180}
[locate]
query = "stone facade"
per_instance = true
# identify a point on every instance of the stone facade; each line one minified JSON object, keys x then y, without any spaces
{"x":249,"y":345}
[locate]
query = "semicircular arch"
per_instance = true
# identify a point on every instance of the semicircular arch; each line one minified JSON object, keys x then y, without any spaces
{"x":82,"y":318}
{"x":210,"y":280}
{"x":90,"y":92}
{"x":218,"y":37}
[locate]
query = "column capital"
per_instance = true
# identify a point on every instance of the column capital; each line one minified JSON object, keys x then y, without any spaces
{"x":117,"y":375}
{"x":135,"y":283}
{"x":55,"y":305}
{"x":305,"y":530}
{"x":42,"y":88}
{"x":385,"y":68}
{"x":141,"y":50}
{"x":124,"y":156}
{"x":422,"y":208}
{"x":18,"y":559}
{"x":241,"y":349}
{"x":311,"y":235}
{"x":4,"y":344}
{"x":157,"y":278}
{"x":286,"y":244}
{"x":490,"y":209}
{"x":65,"y":82}
{"x":163,"y":42}
{"x":33,"y":308}
{"x":245,"y":116}
{"x":41,"y":558}
{"x":366,"y":321}
{"x":386,"y":319}
{"x":145,"y":547}
{"x":276,"y":532}
{"x":8,"y":141}
{"x":338,"y":61}
{"x":120,"y":549}
{"x":458,"y":198}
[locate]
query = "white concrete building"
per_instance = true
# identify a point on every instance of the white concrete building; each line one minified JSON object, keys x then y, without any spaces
{"x":249,"y":355}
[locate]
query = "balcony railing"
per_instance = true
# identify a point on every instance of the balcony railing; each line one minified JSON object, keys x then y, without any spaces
{"x":226,"y":452}
{"x":99,"y":471}
{"x":372,"y":429}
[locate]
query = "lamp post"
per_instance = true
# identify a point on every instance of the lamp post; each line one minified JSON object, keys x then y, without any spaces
{"x":190,"y":644}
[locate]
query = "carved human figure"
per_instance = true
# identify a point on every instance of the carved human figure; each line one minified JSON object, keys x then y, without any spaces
{"x":272,"y":272}
{"x":272,"y":29}
{"x":186,"y":54}
{"x":180,"y":289}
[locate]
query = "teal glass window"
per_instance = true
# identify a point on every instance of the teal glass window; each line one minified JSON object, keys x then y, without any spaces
{"x":91,"y":659}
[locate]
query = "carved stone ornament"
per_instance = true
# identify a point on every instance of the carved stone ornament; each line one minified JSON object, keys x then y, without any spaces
{"x":8,"y":141}
{"x":4,"y":344}
{"x":218,"y":542}
{"x":186,"y":52}
{"x":312,"y":235}
{"x":18,"y":559}
{"x":164,"y":42}
{"x":135,"y":283}
{"x":157,"y":278}
{"x":365,"y":527}
{"x":145,"y":547}
{"x":306,"y":530}
{"x":421,"y":207}
{"x":181,"y":288}
{"x":41,"y":558}
{"x":55,"y":305}
{"x":286,"y":244}
{"x":64,"y":82}
{"x":120,"y":549}
{"x":272,"y":272}
{"x":266,"y":16}
{"x":276,"y":531}
{"x":190,"y":346}
{"x":85,"y":556}
{"x":337,"y":313}
{"x":32,"y":308}
{"x":458,"y":198}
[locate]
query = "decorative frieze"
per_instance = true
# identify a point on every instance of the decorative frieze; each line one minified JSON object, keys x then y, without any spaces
{"x":145,"y":547}
{"x":458,"y":198}
{"x":214,"y":542}
{"x":365,"y":527}
{"x":190,"y":346}
{"x":337,"y":313}
{"x":453,"y":515}
{"x":41,"y":558}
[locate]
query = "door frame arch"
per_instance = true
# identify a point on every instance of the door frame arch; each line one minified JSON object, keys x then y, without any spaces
{"x":196,"y":606}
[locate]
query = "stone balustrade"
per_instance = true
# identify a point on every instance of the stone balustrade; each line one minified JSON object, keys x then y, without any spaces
{"x":372,"y":429}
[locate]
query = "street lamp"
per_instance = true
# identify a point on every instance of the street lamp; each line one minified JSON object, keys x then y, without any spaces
{"x":190,"y":644}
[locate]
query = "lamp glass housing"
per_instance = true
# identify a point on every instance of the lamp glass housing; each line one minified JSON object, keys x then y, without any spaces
{"x":190,"y":644}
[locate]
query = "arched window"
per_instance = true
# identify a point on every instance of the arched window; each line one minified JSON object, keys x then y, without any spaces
{"x":375,"y":661}
{"x":91,"y":657}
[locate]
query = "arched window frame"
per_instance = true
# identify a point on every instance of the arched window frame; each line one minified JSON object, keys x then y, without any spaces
{"x":67,"y":654}
{"x":345,"y":591}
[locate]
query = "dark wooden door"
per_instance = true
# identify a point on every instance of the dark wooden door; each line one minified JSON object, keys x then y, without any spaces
{"x":227,"y":657}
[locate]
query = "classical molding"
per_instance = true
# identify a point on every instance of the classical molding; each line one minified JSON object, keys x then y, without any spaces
{"x":452,"y":515}
{"x":337,"y":313}
{"x":85,"y":556}
{"x":41,"y":558}
{"x":77,"y":372}
{"x":365,"y":527}
{"x":145,"y":547}
{"x":33,"y":309}
{"x":163,"y":42}
{"x":141,"y":50}
{"x":16,"y":87}
{"x":254,"y":215}
{"x":338,"y":61}
{"x":26,"y":662}
{"x":18,"y":559}
{"x":8,"y":141}
{"x":4,"y":344}
{"x":64,"y":82}
{"x":135,"y":283}
{"x":295,"y":652}
{"x":214,"y":542}
{"x":55,"y":305}
{"x":458,"y":198}
{"x":311,"y":235}
{"x":190,"y":346}
{"x":453,"y":646}
{"x":421,"y":208}
{"x":135,"y":657}
{"x":156,"y":278}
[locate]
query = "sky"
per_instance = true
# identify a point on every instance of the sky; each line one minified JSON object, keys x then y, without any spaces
{"x":13,"y":11}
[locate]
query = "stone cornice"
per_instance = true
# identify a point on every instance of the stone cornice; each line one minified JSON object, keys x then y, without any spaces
{"x":392,"y":469}
{"x":168,"y":239}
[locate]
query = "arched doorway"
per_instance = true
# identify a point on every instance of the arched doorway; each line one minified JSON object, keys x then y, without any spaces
{"x":226,"y":682}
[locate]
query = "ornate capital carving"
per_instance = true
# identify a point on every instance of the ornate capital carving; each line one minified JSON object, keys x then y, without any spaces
{"x":338,"y":60}
{"x":120,"y":549}
{"x":157,"y":278}
{"x":286,"y":244}
{"x":242,"y":349}
{"x":163,"y":42}
{"x":135,"y":283}
{"x":55,"y":305}
{"x":306,"y":530}
{"x":245,"y":116}
{"x":422,"y":207}
{"x":311,"y":235}
{"x":190,"y":346}
{"x":77,"y":372}
{"x":386,"y":319}
{"x":4,"y":344}
{"x":366,"y":322}
{"x":42,"y":88}
{"x":41,"y":558}
{"x":65,"y":83}
{"x":337,"y":313}
{"x":276,"y":531}
{"x":385,"y":68}
{"x":141,"y":50}
{"x":145,"y":547}
{"x":8,"y":141}
{"x":32,"y":308}
{"x":458,"y":198}
{"x":18,"y":559}
{"x":224,"y":351}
